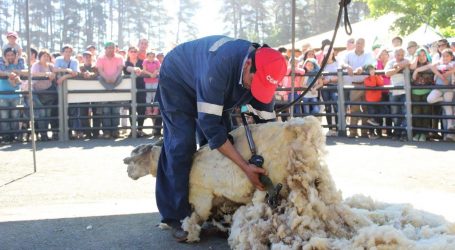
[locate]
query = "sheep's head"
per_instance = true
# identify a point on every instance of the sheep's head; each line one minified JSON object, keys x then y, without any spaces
{"x":143,"y":161}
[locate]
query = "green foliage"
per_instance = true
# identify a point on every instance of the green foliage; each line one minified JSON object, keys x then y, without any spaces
{"x":270,"y":21}
{"x":436,"y":13}
{"x":448,"y":32}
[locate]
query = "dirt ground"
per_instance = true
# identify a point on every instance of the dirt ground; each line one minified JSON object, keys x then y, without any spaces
{"x":81,"y":197}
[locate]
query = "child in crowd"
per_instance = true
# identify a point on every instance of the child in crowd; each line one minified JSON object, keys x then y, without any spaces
{"x":440,"y":70}
{"x":287,"y":83}
{"x":12,"y":43}
{"x":373,"y":96}
{"x":311,"y":66}
{"x":151,"y":68}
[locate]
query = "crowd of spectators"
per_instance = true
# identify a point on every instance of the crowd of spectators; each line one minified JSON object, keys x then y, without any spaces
{"x":429,"y":65}
{"x":51,"y":70}
{"x":432,"y":64}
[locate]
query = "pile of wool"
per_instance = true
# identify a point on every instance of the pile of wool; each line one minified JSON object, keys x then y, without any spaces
{"x":312,"y":214}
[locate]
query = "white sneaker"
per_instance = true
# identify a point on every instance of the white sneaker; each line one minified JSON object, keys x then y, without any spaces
{"x":372,"y":122}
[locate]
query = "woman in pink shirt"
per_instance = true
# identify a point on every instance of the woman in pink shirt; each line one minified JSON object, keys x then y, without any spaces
{"x":43,"y":68}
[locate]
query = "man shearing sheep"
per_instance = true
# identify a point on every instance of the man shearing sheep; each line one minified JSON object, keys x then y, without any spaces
{"x":201,"y":83}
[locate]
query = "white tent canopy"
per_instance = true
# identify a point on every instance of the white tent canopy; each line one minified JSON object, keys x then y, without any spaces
{"x":375,"y":31}
{"x":425,"y":34}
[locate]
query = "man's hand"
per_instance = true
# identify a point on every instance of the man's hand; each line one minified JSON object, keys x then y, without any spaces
{"x":50,"y":75}
{"x":253,"y":173}
{"x":358,"y":71}
{"x":137,"y":71}
{"x":13,"y":79}
{"x":12,"y":75}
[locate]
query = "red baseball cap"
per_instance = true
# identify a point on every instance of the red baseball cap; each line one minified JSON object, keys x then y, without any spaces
{"x":270,"y":69}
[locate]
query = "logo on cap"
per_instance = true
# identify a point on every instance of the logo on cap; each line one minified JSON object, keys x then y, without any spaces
{"x":271,"y":80}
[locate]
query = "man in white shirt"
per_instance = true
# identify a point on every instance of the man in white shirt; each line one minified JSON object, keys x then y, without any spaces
{"x":394,"y":70}
{"x":353,"y":63}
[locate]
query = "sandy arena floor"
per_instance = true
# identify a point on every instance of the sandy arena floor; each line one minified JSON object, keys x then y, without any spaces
{"x":81,"y":196}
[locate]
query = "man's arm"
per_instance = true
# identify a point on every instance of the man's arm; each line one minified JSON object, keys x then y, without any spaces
{"x":137,"y":71}
{"x":63,"y":78}
{"x":14,"y":79}
{"x":101,"y":72}
{"x":62,"y":67}
{"x":210,"y":102}
{"x":391,"y":69}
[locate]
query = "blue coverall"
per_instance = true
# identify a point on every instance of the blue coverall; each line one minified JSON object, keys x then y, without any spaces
{"x":199,"y":82}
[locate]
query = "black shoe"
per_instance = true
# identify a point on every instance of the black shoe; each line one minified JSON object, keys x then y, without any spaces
{"x":54,"y":136}
{"x":8,"y":139}
{"x":116,"y":134}
{"x":179,"y":234}
{"x":403,"y":138}
{"x":141,"y":133}
{"x":44,"y":137}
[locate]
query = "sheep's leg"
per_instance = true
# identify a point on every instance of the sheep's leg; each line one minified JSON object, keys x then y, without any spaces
{"x":201,"y":200}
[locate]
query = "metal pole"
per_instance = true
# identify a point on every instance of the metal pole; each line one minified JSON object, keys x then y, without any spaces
{"x":341,"y":108}
{"x":29,"y":75}
{"x":408,"y":103}
{"x":63,"y":114}
{"x":133,"y":106}
{"x":292,"y":57}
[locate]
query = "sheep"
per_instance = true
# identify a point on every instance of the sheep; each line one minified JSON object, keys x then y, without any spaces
{"x":216,"y":181}
{"x":312,"y":213}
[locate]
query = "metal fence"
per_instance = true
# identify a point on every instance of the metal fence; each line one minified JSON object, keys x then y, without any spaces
{"x":78,"y":94}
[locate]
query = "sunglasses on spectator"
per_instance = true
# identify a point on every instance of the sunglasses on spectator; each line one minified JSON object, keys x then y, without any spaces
{"x":133,"y":51}
{"x":441,"y":45}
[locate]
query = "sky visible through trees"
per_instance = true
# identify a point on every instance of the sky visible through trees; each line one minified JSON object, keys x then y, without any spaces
{"x":166,"y":22}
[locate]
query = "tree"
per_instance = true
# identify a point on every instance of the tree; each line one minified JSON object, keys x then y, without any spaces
{"x":281,"y":23}
{"x":440,"y":13}
{"x":256,"y":19}
{"x":186,"y":12}
{"x":157,"y":29}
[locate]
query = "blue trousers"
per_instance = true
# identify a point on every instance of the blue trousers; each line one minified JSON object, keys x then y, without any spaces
{"x":174,"y":165}
{"x":298,"y":107}
{"x":398,"y":110}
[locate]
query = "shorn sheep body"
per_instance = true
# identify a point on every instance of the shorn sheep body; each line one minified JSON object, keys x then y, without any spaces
{"x":312,"y":213}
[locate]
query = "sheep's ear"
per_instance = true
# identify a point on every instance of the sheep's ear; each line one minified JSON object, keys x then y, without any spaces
{"x":127,"y":160}
{"x":145,"y":149}
{"x":138,"y":152}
